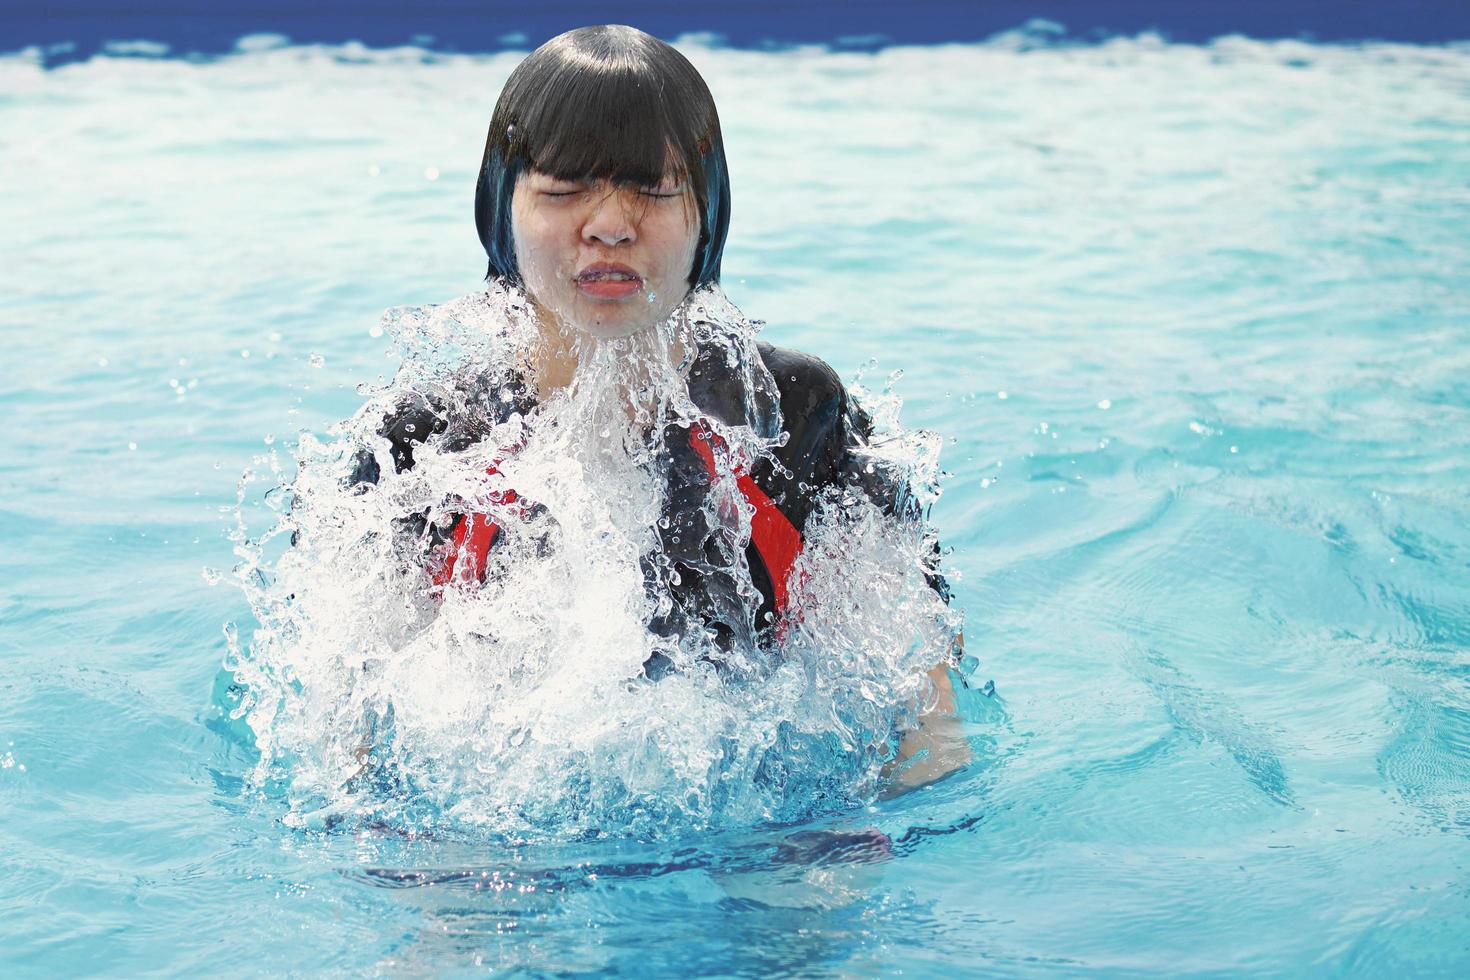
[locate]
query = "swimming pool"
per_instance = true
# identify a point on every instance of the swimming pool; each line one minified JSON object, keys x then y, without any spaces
{"x":1194,"y":318}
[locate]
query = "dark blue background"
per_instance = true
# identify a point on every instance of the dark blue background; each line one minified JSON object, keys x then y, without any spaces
{"x":465,"y":25}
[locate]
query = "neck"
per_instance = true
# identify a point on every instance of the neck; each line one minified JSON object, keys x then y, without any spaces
{"x":555,"y":356}
{"x":562,"y":351}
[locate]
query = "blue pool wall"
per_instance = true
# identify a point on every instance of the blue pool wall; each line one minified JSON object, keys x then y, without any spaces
{"x":69,"y":30}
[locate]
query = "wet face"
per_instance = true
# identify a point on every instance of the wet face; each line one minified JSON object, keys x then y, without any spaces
{"x":600,"y":258}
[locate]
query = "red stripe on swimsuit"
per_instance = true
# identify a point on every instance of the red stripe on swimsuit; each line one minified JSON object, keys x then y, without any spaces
{"x":775,"y":538}
{"x":470,"y":543}
{"x":772,"y":533}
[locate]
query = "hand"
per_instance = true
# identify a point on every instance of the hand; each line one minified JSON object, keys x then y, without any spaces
{"x":936,"y":746}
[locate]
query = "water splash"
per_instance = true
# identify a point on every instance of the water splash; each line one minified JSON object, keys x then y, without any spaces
{"x":529,"y":705}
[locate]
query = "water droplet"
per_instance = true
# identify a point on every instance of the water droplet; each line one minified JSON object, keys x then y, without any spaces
{"x":431,"y":173}
{"x":1002,"y":395}
{"x":1105,"y":404}
{"x":316,"y":360}
{"x":132,"y":446}
{"x":211,"y":576}
{"x":244,"y":352}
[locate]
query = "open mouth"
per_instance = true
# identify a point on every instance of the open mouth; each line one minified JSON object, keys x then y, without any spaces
{"x":609,"y":282}
{"x":608,"y":276}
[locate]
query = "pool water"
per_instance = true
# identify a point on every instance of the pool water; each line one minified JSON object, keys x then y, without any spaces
{"x":1194,"y":322}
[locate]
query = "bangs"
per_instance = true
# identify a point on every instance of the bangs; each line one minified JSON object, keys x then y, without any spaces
{"x":605,"y":103}
{"x":617,"y":126}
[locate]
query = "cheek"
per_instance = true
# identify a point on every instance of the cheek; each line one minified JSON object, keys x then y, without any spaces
{"x":536,"y":248}
{"x":677,"y":242}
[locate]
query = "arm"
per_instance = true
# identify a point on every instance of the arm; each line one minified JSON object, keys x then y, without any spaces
{"x":937,"y":746}
{"x":411,"y":423}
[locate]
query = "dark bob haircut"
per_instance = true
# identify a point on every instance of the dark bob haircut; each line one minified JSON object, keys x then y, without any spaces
{"x":608,"y":102}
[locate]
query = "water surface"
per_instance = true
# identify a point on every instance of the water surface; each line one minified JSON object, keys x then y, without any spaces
{"x":1194,"y":318}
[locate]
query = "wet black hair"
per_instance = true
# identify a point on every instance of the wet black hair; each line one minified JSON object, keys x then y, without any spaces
{"x":607,"y":102}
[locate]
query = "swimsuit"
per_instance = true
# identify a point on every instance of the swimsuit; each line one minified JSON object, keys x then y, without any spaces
{"x":826,"y":433}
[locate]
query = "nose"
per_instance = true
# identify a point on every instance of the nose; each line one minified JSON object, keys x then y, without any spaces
{"x":611,"y":220}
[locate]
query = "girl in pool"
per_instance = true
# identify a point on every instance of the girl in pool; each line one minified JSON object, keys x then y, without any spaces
{"x":603,"y":199}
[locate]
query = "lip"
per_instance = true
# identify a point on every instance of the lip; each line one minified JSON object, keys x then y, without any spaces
{"x":589,"y":283}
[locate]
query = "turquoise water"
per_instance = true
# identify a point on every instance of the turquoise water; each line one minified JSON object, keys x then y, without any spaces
{"x":1192,"y":321}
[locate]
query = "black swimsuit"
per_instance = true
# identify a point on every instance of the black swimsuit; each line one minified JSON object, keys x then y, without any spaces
{"x":824,"y":426}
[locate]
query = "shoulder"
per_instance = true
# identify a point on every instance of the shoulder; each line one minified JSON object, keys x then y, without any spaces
{"x":806,"y":382}
{"x":460,"y":413}
{"x":814,"y":403}
{"x":816,"y":415}
{"x":729,"y":386}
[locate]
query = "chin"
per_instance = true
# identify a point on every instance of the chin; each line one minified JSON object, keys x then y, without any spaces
{"x":613,"y":320}
{"x":612,"y":329}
